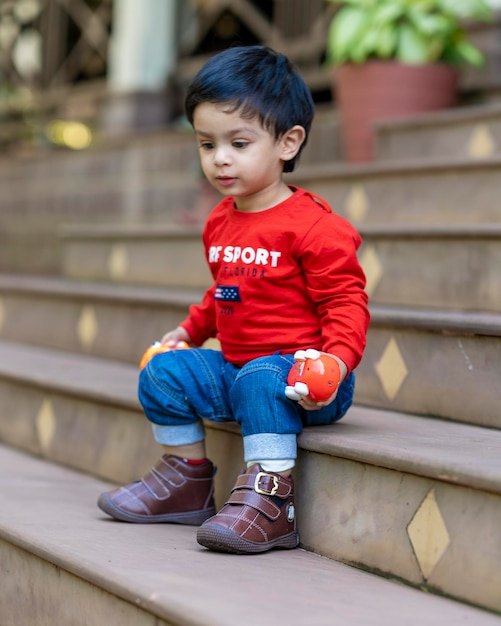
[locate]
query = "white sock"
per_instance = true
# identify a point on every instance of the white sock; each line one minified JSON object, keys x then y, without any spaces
{"x":274,"y":465}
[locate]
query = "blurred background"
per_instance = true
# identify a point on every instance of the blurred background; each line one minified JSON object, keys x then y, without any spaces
{"x":91,"y":92}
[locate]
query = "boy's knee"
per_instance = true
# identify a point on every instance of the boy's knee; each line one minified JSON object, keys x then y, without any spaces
{"x":159,"y":393}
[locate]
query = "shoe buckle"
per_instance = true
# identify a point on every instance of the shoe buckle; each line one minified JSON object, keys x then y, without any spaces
{"x":258,"y":489}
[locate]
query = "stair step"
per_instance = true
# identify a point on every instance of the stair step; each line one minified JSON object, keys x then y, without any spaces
{"x":448,"y":266}
{"x":427,"y":490}
{"x":444,"y":266}
{"x":143,"y":574}
{"x":413,"y":355}
{"x":469,"y":132}
{"x":112,"y":321}
{"x":410,"y":192}
{"x":433,"y":362}
{"x":154,"y":254}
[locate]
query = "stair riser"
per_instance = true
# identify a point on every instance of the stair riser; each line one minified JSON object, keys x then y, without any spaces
{"x":454,"y":376}
{"x":96,"y":438}
{"x":31,"y":254}
{"x":161,"y":198}
{"x":169,"y":261}
{"x":411,"y":197}
{"x":371,"y":529}
{"x":57,"y":596}
{"x":454,"y":273}
{"x":165,"y":153}
{"x":464,"y":139}
{"x":115,"y":329}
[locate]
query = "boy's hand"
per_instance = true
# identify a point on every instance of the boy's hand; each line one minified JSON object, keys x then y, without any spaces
{"x":172,"y":340}
{"x":173,"y":337}
{"x":320,"y":376}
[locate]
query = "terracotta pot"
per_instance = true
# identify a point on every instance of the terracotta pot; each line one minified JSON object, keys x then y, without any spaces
{"x":379,"y":90}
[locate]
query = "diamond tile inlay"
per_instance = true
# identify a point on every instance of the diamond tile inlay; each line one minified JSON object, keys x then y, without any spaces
{"x":357,"y":204}
{"x":118,"y":261}
{"x":45,"y":425}
{"x":481,"y":144}
{"x":391,"y":369}
{"x":372,"y":267}
{"x":428,"y":534}
{"x":87,"y":327}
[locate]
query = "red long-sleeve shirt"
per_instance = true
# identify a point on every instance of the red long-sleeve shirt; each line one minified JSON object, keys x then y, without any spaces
{"x":285,"y":279}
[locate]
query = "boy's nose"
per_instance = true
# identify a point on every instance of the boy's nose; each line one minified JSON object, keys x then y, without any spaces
{"x":221,"y":156}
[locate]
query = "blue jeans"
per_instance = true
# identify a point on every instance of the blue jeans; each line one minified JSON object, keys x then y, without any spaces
{"x":178,"y":389}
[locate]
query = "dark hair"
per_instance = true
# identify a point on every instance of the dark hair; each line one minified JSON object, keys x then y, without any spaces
{"x":257,"y":82}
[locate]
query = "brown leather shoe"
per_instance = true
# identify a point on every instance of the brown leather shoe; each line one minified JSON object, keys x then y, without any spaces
{"x":258,"y":516}
{"x":173,"y":491}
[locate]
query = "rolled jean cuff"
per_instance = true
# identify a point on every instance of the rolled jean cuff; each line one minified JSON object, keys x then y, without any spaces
{"x":182,"y":435}
{"x":269,"y":446}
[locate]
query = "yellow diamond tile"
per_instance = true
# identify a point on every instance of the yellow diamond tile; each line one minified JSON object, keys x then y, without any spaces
{"x":118,"y":261}
{"x":481,"y":144}
{"x":428,"y":534}
{"x":372,"y":267}
{"x":45,"y":425}
{"x":2,"y":314}
{"x":391,"y":369}
{"x":357,"y":204}
{"x":87,"y":327}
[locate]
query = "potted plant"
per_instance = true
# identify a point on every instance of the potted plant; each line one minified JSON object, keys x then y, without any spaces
{"x":395,"y":58}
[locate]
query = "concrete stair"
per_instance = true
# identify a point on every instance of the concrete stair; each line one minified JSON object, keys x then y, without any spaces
{"x":472,"y":132}
{"x":410,"y":192}
{"x":407,"y":486}
{"x":153,"y":177}
{"x":82,"y":412}
{"x":146,"y":254}
{"x":396,"y":259}
{"x":81,"y":569}
{"x":112,"y":321}
{"x":413,"y":354}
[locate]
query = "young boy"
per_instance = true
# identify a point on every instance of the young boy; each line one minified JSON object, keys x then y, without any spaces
{"x":286,"y":278}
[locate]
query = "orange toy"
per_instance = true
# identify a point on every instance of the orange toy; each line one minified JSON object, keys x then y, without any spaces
{"x":313,"y":375}
{"x":157,"y":347}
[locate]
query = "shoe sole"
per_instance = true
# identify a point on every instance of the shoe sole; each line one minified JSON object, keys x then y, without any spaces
{"x":222,"y":539}
{"x":188,"y":518}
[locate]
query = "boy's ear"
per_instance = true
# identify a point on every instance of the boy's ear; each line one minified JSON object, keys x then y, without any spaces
{"x":291,"y":142}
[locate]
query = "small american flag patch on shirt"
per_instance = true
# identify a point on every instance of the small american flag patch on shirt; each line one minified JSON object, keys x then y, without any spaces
{"x":227,"y":293}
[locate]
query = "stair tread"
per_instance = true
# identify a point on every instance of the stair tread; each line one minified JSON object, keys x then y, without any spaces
{"x":409,"y":165}
{"x":431,"y":231}
{"x":99,"y":290}
{"x":447,"y":117}
{"x":449,"y":451}
{"x":102,"y":379}
{"x":50,"y":511}
{"x":110,"y":231}
{"x":443,"y":320}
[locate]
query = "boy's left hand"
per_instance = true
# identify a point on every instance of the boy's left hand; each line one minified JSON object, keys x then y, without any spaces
{"x":300,"y":391}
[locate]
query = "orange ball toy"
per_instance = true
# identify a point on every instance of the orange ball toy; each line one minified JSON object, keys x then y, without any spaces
{"x":157,"y":348}
{"x":318,"y":376}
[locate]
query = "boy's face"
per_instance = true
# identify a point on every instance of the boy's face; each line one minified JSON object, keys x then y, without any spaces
{"x":239,"y":157}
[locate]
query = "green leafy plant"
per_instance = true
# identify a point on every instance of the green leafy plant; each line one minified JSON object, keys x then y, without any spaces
{"x":409,"y":31}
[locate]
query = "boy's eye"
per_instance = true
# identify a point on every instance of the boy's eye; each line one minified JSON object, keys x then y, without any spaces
{"x":206,"y":145}
{"x":240,"y":144}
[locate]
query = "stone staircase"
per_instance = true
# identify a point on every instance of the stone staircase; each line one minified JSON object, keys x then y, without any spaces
{"x":406,"y":488}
